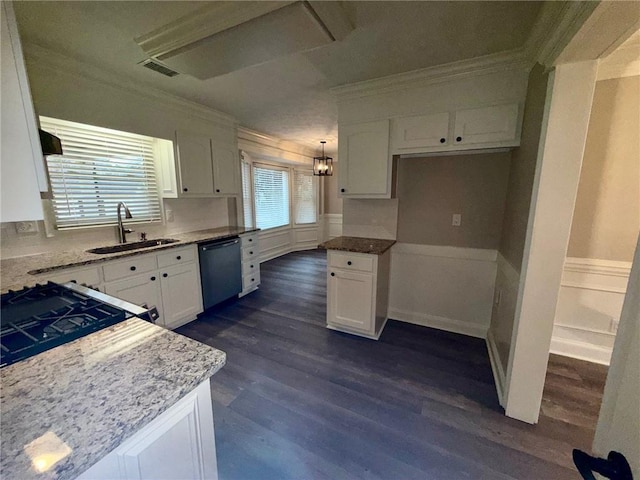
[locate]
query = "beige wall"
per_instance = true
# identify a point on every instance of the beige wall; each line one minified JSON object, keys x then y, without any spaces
{"x":523,"y":165}
{"x":606,"y":219}
{"x":332,"y":202}
{"x":516,"y":215}
{"x":430,"y":190}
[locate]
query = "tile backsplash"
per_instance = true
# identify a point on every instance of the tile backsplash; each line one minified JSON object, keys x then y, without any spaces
{"x":181,"y":215}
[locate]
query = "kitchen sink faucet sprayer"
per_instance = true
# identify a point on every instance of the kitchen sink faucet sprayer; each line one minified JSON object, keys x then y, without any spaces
{"x":122,"y":232}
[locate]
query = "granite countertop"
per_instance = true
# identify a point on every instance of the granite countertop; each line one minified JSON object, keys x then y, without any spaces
{"x":19,"y":272}
{"x":85,"y":398}
{"x":374,"y":246}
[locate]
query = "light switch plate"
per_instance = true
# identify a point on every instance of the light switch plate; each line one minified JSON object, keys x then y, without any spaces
{"x":456,"y":220}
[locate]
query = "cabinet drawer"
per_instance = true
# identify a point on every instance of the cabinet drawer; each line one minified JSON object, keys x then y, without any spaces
{"x":87,"y":276}
{"x":249,"y":267}
{"x":249,"y":240}
{"x":351,"y":261}
{"x":251,"y":280}
{"x":131,"y":266}
{"x":176,"y":256}
{"x":250,"y":254}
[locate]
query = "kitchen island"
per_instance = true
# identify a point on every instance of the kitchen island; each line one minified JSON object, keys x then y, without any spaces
{"x":119,"y":402}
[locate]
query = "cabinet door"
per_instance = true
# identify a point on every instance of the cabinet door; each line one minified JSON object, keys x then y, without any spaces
{"x":350,"y":299}
{"x":196,"y":167}
{"x":487,"y":124}
{"x":142,"y":290}
{"x":421,"y":131}
{"x":181,"y":294}
{"x":226,"y":169}
{"x":21,"y":164}
{"x":365,"y":166}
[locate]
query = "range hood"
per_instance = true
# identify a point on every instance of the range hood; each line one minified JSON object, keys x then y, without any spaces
{"x":51,"y":144}
{"x":223,"y":37}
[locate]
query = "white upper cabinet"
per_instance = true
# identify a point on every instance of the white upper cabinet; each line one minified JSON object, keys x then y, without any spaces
{"x":22,"y":164}
{"x":226,"y":179}
{"x":206,"y":167}
{"x":420,"y":131}
{"x":365,"y":165}
{"x":487,"y":125}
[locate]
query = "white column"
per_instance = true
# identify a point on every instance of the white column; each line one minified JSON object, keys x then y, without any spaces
{"x":565,"y":123}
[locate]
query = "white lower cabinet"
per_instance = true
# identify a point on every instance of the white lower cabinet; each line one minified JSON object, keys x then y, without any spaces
{"x":250,"y":262}
{"x":179,"y":444}
{"x":170,"y":282}
{"x":357,"y":292}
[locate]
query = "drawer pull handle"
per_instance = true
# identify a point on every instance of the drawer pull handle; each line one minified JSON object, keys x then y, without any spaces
{"x":165,"y":275}
{"x":333,"y":274}
{"x":349,"y":262}
{"x":153,"y":279}
{"x":133,"y":269}
{"x":178,"y":257}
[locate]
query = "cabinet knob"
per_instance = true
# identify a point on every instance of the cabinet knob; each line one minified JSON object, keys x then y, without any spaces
{"x":165,"y":275}
{"x":250,"y":266}
{"x":458,"y":139}
{"x":251,"y":252}
{"x":442,"y":140}
{"x":342,"y":190}
{"x":333,"y":274}
{"x":185,"y":189}
{"x":178,"y":257}
{"x":217,"y":190}
{"x":349,"y":262}
{"x":251,"y":239}
{"x":133,"y":269}
{"x":153,"y":279}
{"x":253,"y":279}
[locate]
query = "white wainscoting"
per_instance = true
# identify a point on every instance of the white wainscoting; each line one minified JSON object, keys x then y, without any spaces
{"x":448,"y":288}
{"x":589,"y":305}
{"x":332,"y":225}
{"x":280,"y":241}
{"x":502,"y":319}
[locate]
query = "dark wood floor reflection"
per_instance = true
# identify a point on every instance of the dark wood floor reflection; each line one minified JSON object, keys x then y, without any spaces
{"x":298,"y":401}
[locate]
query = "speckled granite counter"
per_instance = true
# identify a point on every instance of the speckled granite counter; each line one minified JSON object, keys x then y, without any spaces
{"x":374,"y":246}
{"x":94,"y":393}
{"x":14,"y":271}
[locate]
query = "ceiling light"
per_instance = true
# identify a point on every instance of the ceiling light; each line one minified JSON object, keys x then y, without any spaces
{"x":323,"y":165}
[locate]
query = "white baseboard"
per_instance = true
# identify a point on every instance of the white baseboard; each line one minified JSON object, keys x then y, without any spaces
{"x":496,"y":367}
{"x":581,"y":350}
{"x":441,"y":323}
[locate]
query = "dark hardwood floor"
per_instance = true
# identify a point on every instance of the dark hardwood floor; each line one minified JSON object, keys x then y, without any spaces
{"x":298,"y":401}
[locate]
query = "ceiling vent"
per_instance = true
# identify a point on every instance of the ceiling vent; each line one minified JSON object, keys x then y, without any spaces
{"x":223,"y":37}
{"x":156,"y":66}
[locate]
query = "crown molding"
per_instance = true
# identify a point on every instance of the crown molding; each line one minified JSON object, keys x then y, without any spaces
{"x":268,"y":146}
{"x":487,"y":64}
{"x":37,"y":56}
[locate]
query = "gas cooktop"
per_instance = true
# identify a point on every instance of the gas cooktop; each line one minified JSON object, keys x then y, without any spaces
{"x":37,"y":319}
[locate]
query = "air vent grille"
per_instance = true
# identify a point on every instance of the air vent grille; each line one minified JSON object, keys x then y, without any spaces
{"x":158,"y":67}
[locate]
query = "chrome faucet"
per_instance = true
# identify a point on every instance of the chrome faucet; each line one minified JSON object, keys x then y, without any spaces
{"x":122,"y":232}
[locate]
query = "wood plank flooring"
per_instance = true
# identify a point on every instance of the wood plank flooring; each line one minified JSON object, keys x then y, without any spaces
{"x":298,"y":401}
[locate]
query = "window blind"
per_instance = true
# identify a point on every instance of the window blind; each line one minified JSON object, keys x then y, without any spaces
{"x":247,"y":201}
{"x":99,"y":168}
{"x":305,"y":197}
{"x":271,"y":192}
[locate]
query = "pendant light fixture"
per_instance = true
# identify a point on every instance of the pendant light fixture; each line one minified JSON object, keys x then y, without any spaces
{"x":323,"y":165}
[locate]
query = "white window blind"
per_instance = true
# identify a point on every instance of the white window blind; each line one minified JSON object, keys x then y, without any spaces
{"x":305,"y":197}
{"x":271,"y":191}
{"x":247,"y":201}
{"x":99,"y":168}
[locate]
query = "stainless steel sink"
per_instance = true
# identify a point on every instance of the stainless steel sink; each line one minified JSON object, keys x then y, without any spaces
{"x":125,"y":247}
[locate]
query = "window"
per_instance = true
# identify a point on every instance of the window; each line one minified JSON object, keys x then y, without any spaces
{"x":271,"y":193}
{"x":247,"y":203}
{"x":305,"y":197}
{"x":99,"y":168}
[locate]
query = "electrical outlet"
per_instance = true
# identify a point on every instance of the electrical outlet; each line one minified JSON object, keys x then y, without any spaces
{"x":613,"y":326}
{"x":456,"y":220}
{"x":27,"y":227}
{"x":498,"y":297}
{"x":168,"y":213}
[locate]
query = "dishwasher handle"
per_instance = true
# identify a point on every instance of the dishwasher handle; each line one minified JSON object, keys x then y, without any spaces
{"x":212,"y":246}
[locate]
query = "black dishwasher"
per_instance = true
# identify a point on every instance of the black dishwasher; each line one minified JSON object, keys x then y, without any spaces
{"x":220,"y":270}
